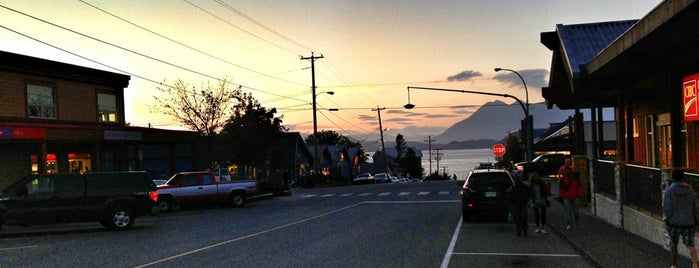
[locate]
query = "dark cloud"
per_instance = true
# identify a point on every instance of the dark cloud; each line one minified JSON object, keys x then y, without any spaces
{"x":464,"y":76}
{"x":535,"y":78}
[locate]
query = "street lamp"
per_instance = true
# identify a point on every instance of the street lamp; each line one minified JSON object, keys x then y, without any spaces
{"x":529,"y":122}
{"x":411,"y":106}
{"x":315,"y":127}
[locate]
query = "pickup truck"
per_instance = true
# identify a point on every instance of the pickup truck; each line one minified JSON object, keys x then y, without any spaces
{"x":198,"y":187}
{"x":545,"y":165}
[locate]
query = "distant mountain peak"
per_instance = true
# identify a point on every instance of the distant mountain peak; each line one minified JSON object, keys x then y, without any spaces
{"x":495,"y":119}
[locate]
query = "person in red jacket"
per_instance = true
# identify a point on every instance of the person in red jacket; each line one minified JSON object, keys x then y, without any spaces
{"x":569,"y":190}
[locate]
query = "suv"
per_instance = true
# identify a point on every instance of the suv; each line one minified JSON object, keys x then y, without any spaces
{"x":485,"y":190}
{"x":545,"y":165}
{"x":114,"y":199}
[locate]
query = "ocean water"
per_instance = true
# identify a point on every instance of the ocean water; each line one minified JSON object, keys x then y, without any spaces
{"x":458,"y":162}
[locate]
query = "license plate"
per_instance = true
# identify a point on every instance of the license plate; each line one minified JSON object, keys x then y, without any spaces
{"x":491,"y":194}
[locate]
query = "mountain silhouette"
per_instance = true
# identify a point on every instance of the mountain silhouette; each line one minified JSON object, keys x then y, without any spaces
{"x":494,"y":120}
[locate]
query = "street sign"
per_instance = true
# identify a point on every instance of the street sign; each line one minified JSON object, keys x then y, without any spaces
{"x":499,"y":150}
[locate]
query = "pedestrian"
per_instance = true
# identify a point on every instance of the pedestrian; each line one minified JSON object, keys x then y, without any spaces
{"x":679,"y":214}
{"x":569,"y":190}
{"x":567,"y":165}
{"x":517,"y":202}
{"x":539,"y":196}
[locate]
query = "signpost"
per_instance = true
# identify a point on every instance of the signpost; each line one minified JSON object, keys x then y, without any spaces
{"x":499,"y":150}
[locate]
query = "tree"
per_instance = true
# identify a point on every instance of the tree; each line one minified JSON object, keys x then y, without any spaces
{"x":401,"y":145}
{"x":251,"y":134}
{"x":330,"y":137}
{"x":203,"y":110}
{"x":412,"y":164}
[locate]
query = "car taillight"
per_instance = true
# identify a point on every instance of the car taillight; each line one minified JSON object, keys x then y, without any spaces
{"x":153,"y":196}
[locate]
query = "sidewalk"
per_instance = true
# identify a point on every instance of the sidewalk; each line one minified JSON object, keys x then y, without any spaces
{"x":608,"y":246}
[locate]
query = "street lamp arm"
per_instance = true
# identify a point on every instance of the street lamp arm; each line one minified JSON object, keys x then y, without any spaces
{"x":526,"y":111}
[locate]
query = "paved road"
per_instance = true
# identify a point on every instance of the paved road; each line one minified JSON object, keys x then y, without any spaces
{"x":388,"y":225}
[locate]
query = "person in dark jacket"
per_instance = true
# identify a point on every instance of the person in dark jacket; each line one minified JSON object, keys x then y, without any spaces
{"x":539,"y":194}
{"x":517,"y":202}
{"x":679,"y":214}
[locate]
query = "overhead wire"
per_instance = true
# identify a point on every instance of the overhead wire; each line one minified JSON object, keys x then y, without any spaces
{"x":188,"y":46}
{"x":140,"y":54}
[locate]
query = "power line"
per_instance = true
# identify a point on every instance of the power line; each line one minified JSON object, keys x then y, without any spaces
{"x":187,"y":46}
{"x":240,"y":13}
{"x":138,"y":53}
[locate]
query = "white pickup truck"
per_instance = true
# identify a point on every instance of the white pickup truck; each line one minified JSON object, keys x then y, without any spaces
{"x":199,"y":187}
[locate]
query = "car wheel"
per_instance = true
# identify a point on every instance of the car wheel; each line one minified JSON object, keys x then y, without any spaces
{"x":119,"y":218}
{"x":165,"y":203}
{"x":237,"y":200}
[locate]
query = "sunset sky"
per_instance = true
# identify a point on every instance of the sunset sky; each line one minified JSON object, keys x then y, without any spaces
{"x":372,"y":51}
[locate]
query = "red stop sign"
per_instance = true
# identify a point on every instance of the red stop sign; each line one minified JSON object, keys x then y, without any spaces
{"x":499,"y":150}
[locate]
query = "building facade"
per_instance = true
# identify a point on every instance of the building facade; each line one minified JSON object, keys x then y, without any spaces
{"x":58,"y":117}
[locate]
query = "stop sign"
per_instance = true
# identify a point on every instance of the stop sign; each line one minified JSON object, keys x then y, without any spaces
{"x":499,"y":150}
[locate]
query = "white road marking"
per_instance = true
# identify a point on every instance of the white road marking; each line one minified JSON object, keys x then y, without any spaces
{"x":364,"y":194}
{"x":385,"y":194}
{"x":17,"y":248}
{"x":404,"y":193}
{"x":450,"y":249}
{"x":307,"y":195}
{"x":514,"y":254}
{"x":423,"y":193}
{"x":346,"y":195}
{"x":327,"y":195}
{"x":444,"y":192}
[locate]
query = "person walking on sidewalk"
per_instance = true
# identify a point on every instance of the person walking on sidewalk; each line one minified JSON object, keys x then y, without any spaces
{"x":679,"y":214}
{"x":570,"y":190}
{"x":539,"y":196}
{"x":517,"y":202}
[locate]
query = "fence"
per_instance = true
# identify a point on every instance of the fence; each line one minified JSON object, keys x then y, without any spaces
{"x":604,"y":177}
{"x":642,"y":188}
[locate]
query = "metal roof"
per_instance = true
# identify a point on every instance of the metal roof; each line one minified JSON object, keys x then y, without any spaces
{"x":580,"y":43}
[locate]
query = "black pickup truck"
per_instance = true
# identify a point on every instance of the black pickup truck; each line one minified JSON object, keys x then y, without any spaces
{"x":545,"y":165}
{"x":114,"y":199}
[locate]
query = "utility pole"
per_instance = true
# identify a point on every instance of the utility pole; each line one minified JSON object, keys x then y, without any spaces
{"x":437,"y":157}
{"x":313,"y":59}
{"x":383,"y":148}
{"x":429,"y":150}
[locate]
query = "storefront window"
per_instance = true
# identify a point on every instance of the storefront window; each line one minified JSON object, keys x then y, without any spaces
{"x":80,"y":162}
{"x":51,"y":166}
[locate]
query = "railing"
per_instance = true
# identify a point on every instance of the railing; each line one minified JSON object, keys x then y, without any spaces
{"x":604,"y":177}
{"x":641,"y":188}
{"x":692,"y":179}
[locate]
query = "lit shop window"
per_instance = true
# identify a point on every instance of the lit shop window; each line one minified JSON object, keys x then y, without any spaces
{"x":51,"y":166}
{"x":80,"y":163}
{"x":107,"y":107}
{"x":41,"y":102}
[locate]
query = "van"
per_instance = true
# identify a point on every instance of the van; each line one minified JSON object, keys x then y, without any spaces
{"x":115,"y":199}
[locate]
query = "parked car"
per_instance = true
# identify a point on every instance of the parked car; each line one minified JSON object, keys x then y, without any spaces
{"x":486,"y":165}
{"x":485,"y":190}
{"x":198,"y":187}
{"x":115,"y":199}
{"x":363,"y":178}
{"x":382,"y":178}
{"x":545,"y":165}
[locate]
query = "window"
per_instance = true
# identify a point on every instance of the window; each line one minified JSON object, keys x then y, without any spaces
{"x":40,"y":102}
{"x":107,"y":107}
